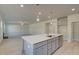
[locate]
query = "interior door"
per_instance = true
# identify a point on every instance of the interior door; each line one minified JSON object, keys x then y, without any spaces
{"x":76,"y":31}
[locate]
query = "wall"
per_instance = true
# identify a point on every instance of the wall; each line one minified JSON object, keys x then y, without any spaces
{"x":36,"y":28}
{"x":13,"y":29}
{"x":40,"y":28}
{"x":46,"y":28}
{"x":25,"y":29}
{"x":71,"y":18}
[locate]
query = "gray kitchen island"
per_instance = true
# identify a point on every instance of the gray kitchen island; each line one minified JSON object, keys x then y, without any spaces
{"x":42,"y":44}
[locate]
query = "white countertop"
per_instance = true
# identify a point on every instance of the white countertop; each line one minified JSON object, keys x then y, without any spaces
{"x":38,"y":38}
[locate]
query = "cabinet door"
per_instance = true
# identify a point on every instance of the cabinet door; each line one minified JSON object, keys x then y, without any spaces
{"x":53,"y":46}
{"x":44,"y":50}
{"x":40,"y":48}
{"x":56,"y":43}
{"x":39,"y":51}
{"x":49,"y":47}
{"x":49,"y":43}
{"x":60,"y":41}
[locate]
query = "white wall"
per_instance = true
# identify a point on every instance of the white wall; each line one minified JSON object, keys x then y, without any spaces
{"x":71,"y":18}
{"x":40,"y":28}
{"x":25,"y":29}
{"x":13,"y":29}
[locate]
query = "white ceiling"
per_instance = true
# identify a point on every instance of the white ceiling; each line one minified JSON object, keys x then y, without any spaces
{"x":29,"y":12}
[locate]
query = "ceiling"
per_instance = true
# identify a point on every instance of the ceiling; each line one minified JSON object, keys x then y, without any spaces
{"x":13,"y":12}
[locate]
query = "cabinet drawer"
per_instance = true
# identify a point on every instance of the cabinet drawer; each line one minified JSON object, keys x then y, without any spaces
{"x":37,"y":45}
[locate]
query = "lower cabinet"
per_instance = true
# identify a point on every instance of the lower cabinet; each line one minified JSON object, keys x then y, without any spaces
{"x":60,"y":41}
{"x":49,"y":46}
{"x":41,"y":50}
{"x":44,"y":51}
{"x":56,"y":43}
{"x":49,"y":51}
{"x":53,"y":45}
{"x":44,"y":48}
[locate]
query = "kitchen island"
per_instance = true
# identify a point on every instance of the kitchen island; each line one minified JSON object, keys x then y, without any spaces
{"x":42,"y":44}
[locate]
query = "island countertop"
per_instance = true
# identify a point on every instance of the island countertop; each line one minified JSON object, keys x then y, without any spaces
{"x":39,"y":38}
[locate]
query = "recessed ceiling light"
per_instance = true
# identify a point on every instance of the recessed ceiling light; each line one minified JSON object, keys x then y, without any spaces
{"x":21,"y":5}
{"x":50,"y":22}
{"x":73,"y":9}
{"x":37,"y":20}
